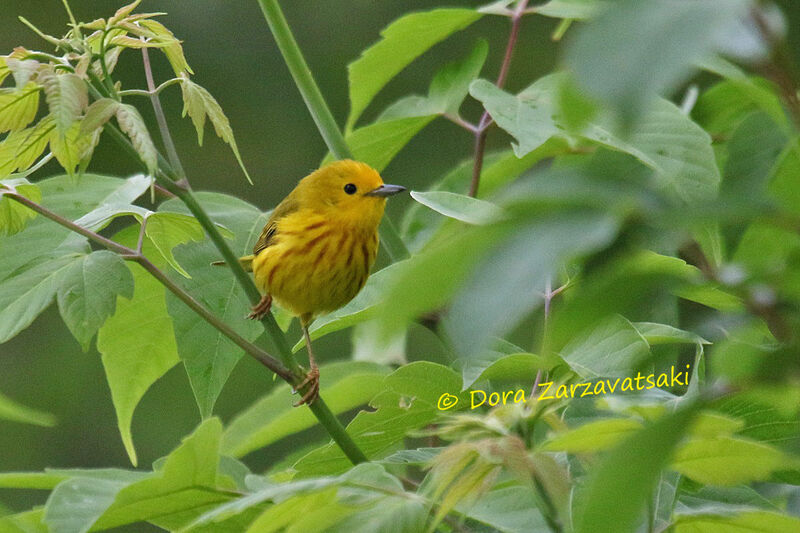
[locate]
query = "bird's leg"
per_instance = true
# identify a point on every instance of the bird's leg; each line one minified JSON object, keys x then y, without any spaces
{"x":261,"y":308}
{"x":312,"y":377}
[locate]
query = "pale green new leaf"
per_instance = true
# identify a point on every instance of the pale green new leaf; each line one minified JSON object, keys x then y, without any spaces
{"x":76,"y":503}
{"x":199,"y":104}
{"x":87,"y":292}
{"x":402,"y":42}
{"x":20,"y":148}
{"x":132,"y":123}
{"x":18,"y":107}
{"x":137,"y":343}
{"x":4,"y":71}
{"x":13,"y":215}
{"x":11,"y":410}
{"x":460,"y":207}
{"x":172,"y":49}
{"x":570,"y":9}
{"x":66,"y":95}
{"x":168,"y":230}
{"x":98,"y":114}
{"x":748,"y":521}
{"x":347,"y":385}
{"x":592,"y":437}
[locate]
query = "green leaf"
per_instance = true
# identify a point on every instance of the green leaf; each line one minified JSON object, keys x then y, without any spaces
{"x":137,"y":344}
{"x":665,"y":334}
{"x":613,"y":348}
{"x":783,"y":185}
{"x":98,"y":114}
{"x":199,"y":104}
{"x":527,"y":117}
{"x":20,"y":148}
{"x":25,"y":295}
{"x":172,"y":49}
{"x":186,"y":481}
{"x":168,"y":230}
{"x":570,"y":9}
{"x":743,"y":522}
{"x":728,"y":460}
{"x":208,"y":355}
{"x":592,"y":437}
{"x":25,"y":522}
{"x":491,"y":303}
{"x":636,"y":49}
{"x":378,"y":143}
{"x":619,"y":487}
{"x":43,"y":239}
{"x":118,"y":203}
{"x":409,"y":401}
{"x":460,"y":207}
{"x":347,"y":385}
{"x":360,"y":309}
{"x":13,"y":215}
{"x":73,"y":148}
{"x":18,"y":107}
{"x":11,"y":410}
{"x":451,"y":84}
{"x":402,"y":42}
{"x":66,"y":95}
{"x":132,"y":123}
{"x":509,"y":510}
{"x":721,"y":108}
{"x":87,"y":292}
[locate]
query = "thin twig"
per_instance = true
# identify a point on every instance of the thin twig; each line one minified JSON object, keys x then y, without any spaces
{"x":486,"y":119}
{"x":458,"y":121}
{"x":135,"y":255}
{"x":148,"y":93}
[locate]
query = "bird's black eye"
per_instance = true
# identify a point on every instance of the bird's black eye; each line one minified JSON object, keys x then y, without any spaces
{"x":350,"y":188}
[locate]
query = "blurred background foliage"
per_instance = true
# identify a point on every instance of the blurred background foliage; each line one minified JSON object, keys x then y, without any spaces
{"x":235,"y":58}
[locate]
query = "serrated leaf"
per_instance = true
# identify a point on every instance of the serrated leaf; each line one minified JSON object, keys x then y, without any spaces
{"x":66,"y":95}
{"x":132,"y":123}
{"x":208,"y":355}
{"x":87,"y":292}
{"x":11,"y":410}
{"x":137,"y":343}
{"x":19,"y":149}
{"x":4,"y":70}
{"x":173,"y":49}
{"x":28,"y":293}
{"x":199,"y":104}
{"x":401,"y":42}
{"x":22,"y":69}
{"x":378,"y":143}
{"x":18,"y":107}
{"x":72,"y":147}
{"x":460,"y":207}
{"x":13,"y":215}
{"x":168,"y":230}
{"x":123,"y":12}
{"x":98,"y":114}
{"x":347,"y":386}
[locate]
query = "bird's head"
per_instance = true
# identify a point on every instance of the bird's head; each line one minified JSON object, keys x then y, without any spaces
{"x":349,"y":191}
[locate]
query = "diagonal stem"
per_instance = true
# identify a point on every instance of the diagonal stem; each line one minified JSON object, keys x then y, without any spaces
{"x":136,"y":256}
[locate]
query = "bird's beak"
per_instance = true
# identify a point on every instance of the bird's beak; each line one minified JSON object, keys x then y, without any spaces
{"x":385,"y":190}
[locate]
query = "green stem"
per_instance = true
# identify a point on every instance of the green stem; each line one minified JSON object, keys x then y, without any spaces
{"x":319,"y":110}
{"x":305,"y":81}
{"x":72,"y":20}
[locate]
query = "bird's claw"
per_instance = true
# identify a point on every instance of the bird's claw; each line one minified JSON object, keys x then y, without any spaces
{"x":261,"y":308}
{"x":311,"y":395}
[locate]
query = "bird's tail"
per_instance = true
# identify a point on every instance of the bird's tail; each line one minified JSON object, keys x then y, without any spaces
{"x":246,"y":262}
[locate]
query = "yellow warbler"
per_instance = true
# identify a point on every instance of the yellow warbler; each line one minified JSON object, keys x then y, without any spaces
{"x":316,"y":250}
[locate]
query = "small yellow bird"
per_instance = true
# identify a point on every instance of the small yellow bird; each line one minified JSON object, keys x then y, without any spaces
{"x":316,"y":250}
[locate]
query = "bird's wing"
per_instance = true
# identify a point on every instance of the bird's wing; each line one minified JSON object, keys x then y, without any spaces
{"x":267,"y":238}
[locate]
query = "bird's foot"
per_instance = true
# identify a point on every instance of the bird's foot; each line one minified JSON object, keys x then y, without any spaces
{"x":261,"y":308}
{"x":311,"y":395}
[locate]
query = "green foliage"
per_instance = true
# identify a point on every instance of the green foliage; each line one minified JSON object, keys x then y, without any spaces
{"x":621,"y":236}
